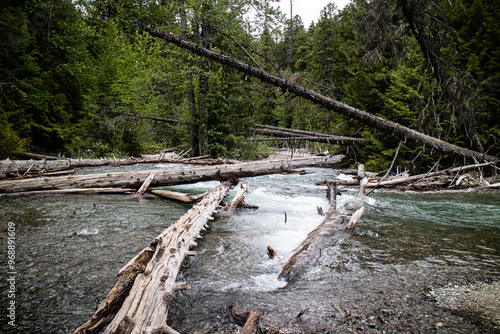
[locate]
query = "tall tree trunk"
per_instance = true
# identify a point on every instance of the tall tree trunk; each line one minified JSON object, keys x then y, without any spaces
{"x":204,"y":84}
{"x":327,"y":102}
{"x":190,"y":90}
{"x":290,"y":49}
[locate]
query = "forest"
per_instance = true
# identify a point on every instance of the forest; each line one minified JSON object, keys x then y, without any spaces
{"x":85,"y":78}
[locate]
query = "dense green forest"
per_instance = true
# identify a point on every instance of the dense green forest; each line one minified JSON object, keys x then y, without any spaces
{"x":72,"y":72}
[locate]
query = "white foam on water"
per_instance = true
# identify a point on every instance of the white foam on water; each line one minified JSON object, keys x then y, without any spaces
{"x":88,"y":231}
{"x":266,"y":282}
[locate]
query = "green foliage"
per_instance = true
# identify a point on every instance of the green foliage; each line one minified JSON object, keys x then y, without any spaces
{"x":71,"y":70}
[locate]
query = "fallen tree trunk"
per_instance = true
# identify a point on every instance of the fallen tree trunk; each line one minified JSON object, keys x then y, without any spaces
{"x":154,"y":118}
{"x":286,"y":131}
{"x":34,"y":166}
{"x":338,"y":140}
{"x":114,"y":299}
{"x":38,"y":156}
{"x":167,"y":176}
{"x":181,"y":197}
{"x":22,"y":166}
{"x":393,"y":128}
{"x":146,"y":307}
{"x":282,"y":134}
{"x":330,"y":231}
{"x":75,"y":191}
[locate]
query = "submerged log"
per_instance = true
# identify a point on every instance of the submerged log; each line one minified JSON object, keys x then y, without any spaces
{"x":331,"y":230}
{"x":167,"y":176}
{"x":390,"y":127}
{"x":140,"y":299}
{"x":309,"y":249}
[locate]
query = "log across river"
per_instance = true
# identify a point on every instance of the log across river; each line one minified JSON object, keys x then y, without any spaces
{"x":167,"y":176}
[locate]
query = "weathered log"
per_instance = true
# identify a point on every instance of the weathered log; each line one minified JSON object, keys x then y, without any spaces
{"x":113,"y":301}
{"x":146,"y":306}
{"x":252,"y":323}
{"x":290,"y":134}
{"x":16,"y":175}
{"x":414,"y":178}
{"x":354,"y":220}
{"x":390,"y":127}
{"x":238,"y":198}
{"x":74,"y":191}
{"x":361,"y":172}
{"x":343,"y":140}
{"x":146,"y":184}
{"x":331,"y":230}
{"x":21,"y":166}
{"x":297,"y":132}
{"x":167,"y":176}
{"x":38,"y":156}
{"x":181,"y":197}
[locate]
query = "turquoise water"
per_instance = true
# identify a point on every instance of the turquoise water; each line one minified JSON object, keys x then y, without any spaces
{"x":70,"y":247}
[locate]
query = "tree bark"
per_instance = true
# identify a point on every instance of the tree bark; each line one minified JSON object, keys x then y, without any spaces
{"x":167,"y":176}
{"x":327,"y":102}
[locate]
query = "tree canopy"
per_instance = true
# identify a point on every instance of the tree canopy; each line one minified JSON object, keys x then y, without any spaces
{"x":74,"y":71}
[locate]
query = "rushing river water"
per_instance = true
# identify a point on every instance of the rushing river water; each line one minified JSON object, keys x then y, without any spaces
{"x":70,"y":247}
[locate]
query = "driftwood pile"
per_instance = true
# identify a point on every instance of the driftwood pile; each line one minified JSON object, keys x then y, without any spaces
{"x":465,"y":177}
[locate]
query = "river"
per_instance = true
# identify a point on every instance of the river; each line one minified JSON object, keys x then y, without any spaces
{"x":68,"y":249}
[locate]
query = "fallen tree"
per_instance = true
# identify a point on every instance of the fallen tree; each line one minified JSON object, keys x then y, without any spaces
{"x":290,"y":134}
{"x":139,"y":301}
{"x":167,"y":176}
{"x":34,"y":168}
{"x":331,"y":230}
{"x":181,"y":197}
{"x":393,"y":128}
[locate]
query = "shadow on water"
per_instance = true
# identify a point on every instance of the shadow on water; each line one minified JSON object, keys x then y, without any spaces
{"x":69,"y":249}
